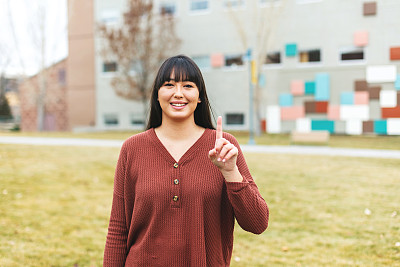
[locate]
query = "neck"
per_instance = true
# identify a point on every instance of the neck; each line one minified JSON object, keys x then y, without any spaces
{"x":178,"y":129}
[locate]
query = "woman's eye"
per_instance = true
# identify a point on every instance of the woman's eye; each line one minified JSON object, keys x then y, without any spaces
{"x":189,"y":85}
{"x":168,"y":84}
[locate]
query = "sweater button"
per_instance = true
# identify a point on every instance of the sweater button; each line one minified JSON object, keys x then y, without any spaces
{"x":175,"y":165}
{"x":176,"y":181}
{"x":175,"y":198}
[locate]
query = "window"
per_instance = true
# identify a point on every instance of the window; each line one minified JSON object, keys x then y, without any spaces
{"x":109,"y":17}
{"x":351,"y":53}
{"x":136,"y":119}
{"x":61,"y":76}
{"x":233,"y":60}
{"x":199,"y":5}
{"x":109,"y":66}
{"x":234,"y":3}
{"x":273,"y":58}
{"x":135,"y":68}
{"x":202,"y":61}
{"x":269,"y":2}
{"x":313,"y":55}
{"x":307,"y":1}
{"x":235,"y":118}
{"x":168,"y":8}
{"x":111,"y":119}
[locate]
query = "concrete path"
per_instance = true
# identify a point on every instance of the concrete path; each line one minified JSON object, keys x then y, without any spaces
{"x":301,"y":150}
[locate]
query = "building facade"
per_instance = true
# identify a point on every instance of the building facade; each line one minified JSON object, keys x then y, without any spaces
{"x":322,"y":64}
{"x":54,"y":102}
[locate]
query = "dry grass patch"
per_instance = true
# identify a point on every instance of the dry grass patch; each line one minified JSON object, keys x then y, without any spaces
{"x":55,"y":203}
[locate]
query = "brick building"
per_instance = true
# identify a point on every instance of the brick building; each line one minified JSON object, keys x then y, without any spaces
{"x":55,"y":101}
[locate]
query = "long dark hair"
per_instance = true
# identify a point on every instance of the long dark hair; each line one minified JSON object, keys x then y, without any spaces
{"x":184,"y":69}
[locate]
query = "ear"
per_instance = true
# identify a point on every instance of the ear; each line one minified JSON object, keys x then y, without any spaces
{"x":199,"y":101}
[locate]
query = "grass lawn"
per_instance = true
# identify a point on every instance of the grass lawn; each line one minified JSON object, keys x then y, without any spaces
{"x":55,"y":204}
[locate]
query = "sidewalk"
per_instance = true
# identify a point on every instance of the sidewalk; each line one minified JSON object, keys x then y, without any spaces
{"x":300,"y":150}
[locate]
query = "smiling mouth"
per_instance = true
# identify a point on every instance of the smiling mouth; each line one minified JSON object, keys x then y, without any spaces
{"x":178,"y":105}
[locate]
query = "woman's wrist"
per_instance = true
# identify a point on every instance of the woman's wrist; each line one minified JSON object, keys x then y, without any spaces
{"x":232,"y":175}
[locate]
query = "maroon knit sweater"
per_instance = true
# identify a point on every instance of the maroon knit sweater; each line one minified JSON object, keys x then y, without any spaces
{"x":167,"y":213}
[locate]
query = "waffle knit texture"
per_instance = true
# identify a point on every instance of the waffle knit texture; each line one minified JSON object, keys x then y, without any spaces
{"x":167,"y":213}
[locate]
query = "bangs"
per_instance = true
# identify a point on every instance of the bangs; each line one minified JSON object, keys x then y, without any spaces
{"x":183,"y":70}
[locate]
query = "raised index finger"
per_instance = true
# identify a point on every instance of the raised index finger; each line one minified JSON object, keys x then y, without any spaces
{"x":219,"y":127}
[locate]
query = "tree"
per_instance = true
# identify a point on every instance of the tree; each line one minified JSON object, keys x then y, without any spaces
{"x":5,"y":111}
{"x":259,"y":38}
{"x":139,"y":44}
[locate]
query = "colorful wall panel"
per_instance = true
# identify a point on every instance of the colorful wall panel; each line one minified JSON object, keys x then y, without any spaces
{"x":347,"y":98}
{"x":361,"y":98}
{"x":323,"y":125}
{"x":361,"y":38}
{"x":381,"y":74}
{"x":388,"y":98}
{"x":322,"y":86}
{"x":285,"y":100}
{"x":380,"y":127}
{"x":303,"y":125}
{"x":393,"y":126}
{"x":354,"y":112}
{"x":291,"y":50}
{"x":397,"y":82}
{"x":395,"y":53}
{"x":364,"y":109}
{"x":292,"y":113}
{"x":309,"y":88}
{"x":297,"y":87}
{"x":217,"y":60}
{"x":273,"y":119}
{"x":354,"y":127}
{"x":334,"y":112}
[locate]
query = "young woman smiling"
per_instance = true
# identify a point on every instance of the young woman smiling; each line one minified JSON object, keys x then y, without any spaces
{"x":179,"y":186}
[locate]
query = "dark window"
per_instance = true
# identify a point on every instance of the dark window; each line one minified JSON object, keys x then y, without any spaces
{"x":61,"y":77}
{"x":273,"y":58}
{"x":352,"y":55}
{"x":235,"y":118}
{"x":196,"y":5}
{"x":111,"y":119}
{"x":168,"y":9}
{"x":233,"y":60}
{"x":310,"y":56}
{"x":110,"y":67}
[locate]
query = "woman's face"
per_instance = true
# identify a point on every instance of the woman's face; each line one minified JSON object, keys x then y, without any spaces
{"x":178,"y":99}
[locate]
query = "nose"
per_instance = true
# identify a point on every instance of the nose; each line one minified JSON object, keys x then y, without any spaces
{"x":178,"y":91}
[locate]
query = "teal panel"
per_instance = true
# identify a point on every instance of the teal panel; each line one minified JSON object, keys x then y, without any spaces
{"x":285,"y":100}
{"x":291,"y":50}
{"x":397,"y":82}
{"x":309,"y":88}
{"x":347,"y":98}
{"x":323,"y":125}
{"x":262,"y":81}
{"x":380,"y":126}
{"x":322,"y":87}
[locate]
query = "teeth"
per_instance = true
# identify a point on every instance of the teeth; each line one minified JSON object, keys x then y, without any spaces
{"x":178,"y":105}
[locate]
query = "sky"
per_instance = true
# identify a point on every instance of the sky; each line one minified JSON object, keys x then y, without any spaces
{"x":20,"y":41}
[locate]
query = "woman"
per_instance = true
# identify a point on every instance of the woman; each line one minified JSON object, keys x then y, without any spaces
{"x":179,"y":185}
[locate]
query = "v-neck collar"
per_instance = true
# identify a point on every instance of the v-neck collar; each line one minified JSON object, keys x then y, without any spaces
{"x":157,"y":142}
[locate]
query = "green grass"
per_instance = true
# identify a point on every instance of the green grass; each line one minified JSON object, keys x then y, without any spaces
{"x":55,"y":204}
{"x":364,"y":141}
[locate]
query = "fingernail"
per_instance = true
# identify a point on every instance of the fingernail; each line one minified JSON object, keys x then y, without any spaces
{"x":223,"y":160}
{"x":219,"y":159}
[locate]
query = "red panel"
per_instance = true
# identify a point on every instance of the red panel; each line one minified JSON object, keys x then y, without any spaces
{"x":395,"y":53}
{"x":321,"y":107}
{"x":368,"y":126}
{"x":391,"y":112}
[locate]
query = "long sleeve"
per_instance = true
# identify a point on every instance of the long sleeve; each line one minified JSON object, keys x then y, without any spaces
{"x":250,"y":209}
{"x":116,"y":245}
